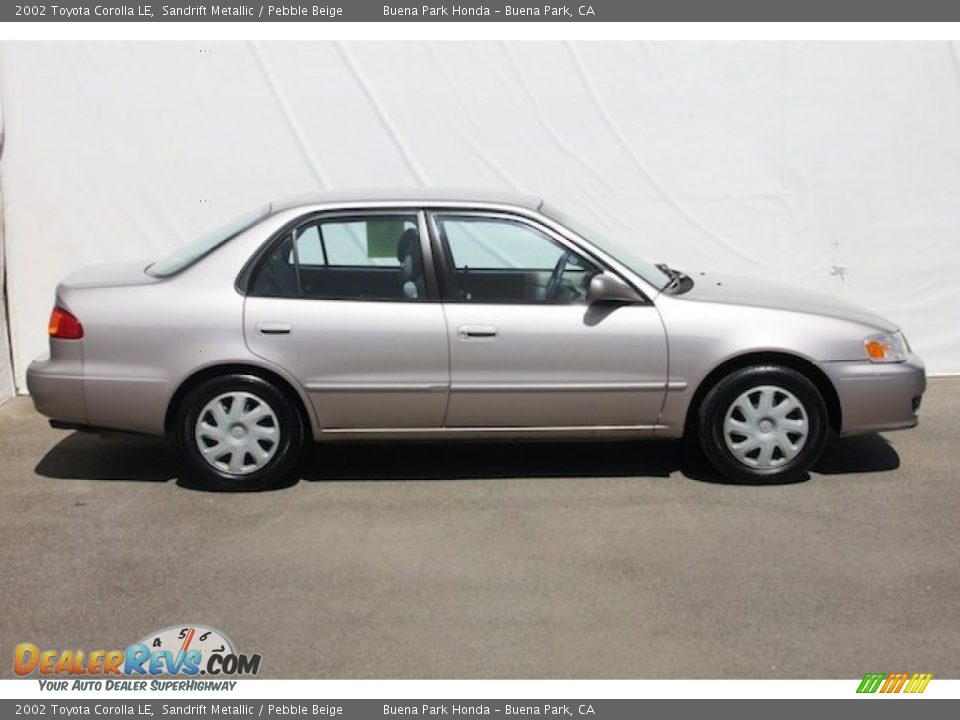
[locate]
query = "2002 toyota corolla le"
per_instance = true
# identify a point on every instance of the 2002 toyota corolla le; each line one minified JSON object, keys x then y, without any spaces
{"x":443,"y":314}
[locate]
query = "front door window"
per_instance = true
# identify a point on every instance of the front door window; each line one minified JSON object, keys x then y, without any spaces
{"x":500,"y":260}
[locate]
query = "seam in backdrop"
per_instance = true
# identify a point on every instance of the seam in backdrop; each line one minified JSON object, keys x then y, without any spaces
{"x":6,"y":356}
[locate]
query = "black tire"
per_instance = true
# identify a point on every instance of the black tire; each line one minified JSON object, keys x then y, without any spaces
{"x":719,"y":401}
{"x":251,"y":389}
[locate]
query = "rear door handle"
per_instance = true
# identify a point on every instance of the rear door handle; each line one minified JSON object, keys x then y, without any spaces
{"x":471,"y":332}
{"x":274,"y":328}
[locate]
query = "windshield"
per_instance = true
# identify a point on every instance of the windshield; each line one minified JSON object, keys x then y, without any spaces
{"x":188,"y":254}
{"x":620,"y":250}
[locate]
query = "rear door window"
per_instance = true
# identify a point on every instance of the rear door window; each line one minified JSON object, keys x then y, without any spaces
{"x":376,"y":258}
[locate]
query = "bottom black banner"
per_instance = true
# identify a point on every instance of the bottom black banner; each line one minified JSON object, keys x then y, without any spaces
{"x":873,"y":707}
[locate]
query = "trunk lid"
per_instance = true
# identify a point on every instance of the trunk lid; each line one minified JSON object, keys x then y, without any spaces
{"x":110,"y":275}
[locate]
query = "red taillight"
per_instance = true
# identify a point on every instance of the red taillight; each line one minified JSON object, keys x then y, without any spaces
{"x":64,"y":326}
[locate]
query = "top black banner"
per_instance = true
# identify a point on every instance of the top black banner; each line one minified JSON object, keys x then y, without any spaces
{"x":483,"y":11}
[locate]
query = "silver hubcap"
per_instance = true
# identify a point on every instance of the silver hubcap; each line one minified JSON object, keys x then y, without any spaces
{"x":237,"y":433}
{"x":765,"y":427}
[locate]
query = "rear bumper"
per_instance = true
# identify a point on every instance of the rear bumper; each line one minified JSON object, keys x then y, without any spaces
{"x":877,"y":397}
{"x":56,"y":387}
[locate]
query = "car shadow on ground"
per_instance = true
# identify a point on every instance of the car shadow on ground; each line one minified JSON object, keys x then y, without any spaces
{"x":82,"y":456}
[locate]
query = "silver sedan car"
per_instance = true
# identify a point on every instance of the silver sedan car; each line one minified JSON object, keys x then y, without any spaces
{"x":441,"y":314}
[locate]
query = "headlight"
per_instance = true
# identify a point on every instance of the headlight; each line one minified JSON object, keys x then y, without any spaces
{"x":886,"y":348}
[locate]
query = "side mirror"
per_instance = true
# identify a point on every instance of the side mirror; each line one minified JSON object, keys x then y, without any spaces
{"x":605,"y":287}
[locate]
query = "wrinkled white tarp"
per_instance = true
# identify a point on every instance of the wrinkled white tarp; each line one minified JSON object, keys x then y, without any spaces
{"x":834,"y":166}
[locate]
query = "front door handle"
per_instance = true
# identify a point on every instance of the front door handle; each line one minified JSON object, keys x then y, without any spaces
{"x":472,"y":332}
{"x":274,"y":328}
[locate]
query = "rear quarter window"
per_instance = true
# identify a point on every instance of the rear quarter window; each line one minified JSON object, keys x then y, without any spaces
{"x":190,"y":253}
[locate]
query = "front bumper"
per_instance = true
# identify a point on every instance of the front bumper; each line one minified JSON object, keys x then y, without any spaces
{"x":56,"y":385}
{"x":877,"y":396}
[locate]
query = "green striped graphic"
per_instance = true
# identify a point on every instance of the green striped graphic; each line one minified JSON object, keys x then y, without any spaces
{"x":871,"y":682}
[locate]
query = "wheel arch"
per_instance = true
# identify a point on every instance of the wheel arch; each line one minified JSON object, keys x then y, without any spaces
{"x":283,"y":384}
{"x":795,"y":362}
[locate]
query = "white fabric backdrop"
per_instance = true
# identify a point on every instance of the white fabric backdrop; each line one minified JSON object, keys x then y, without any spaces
{"x":835,"y":166}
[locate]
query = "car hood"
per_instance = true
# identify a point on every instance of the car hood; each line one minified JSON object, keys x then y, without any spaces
{"x":751,"y":292}
{"x":112,"y":274}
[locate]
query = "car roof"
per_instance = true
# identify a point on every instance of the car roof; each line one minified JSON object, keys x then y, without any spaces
{"x":408,"y":196}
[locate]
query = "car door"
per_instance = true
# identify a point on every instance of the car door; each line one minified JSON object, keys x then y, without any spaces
{"x":527,"y":348}
{"x":343,"y":302}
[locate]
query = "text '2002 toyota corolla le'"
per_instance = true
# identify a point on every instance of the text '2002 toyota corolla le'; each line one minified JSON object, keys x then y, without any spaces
{"x":442,"y":314}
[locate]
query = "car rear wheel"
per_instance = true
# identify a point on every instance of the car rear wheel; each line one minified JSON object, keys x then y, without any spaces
{"x":763,"y":424}
{"x":239,"y":432}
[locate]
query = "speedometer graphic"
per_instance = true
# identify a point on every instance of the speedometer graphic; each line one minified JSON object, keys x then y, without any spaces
{"x":178,"y":639}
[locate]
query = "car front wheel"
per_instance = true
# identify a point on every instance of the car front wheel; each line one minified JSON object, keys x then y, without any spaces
{"x":239,"y":432}
{"x":763,"y":424}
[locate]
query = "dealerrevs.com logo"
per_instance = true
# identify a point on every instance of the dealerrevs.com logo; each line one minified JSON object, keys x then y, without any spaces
{"x":180,"y":650}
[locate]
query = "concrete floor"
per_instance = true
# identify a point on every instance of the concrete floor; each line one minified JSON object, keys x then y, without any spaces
{"x":496,"y":560}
